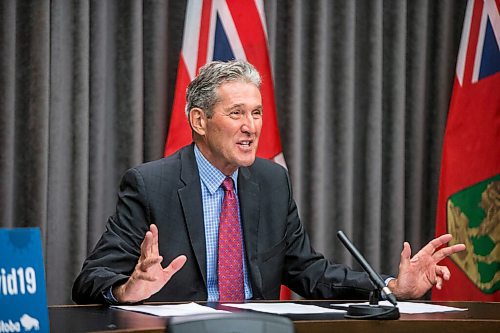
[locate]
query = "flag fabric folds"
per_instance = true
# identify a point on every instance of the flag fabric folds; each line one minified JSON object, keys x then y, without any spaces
{"x":225,"y":30}
{"x":469,"y":193}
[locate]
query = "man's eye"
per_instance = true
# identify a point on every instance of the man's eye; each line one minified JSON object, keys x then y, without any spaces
{"x":257,"y":114}
{"x":235,"y":114}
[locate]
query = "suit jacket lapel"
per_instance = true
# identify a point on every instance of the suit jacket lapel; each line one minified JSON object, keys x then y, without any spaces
{"x":248,"y":193}
{"x":192,"y":206}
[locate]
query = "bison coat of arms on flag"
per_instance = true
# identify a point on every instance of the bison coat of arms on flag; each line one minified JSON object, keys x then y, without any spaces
{"x":473,"y":217}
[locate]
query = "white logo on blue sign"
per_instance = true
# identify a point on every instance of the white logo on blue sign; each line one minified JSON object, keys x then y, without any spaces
{"x":23,"y":300}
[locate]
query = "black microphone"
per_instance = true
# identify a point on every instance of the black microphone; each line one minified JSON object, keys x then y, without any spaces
{"x":374,"y":277}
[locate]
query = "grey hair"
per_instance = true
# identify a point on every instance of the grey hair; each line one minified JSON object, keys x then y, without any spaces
{"x":201,"y":92}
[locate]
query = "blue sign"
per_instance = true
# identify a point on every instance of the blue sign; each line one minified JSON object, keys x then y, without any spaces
{"x":23,"y":300}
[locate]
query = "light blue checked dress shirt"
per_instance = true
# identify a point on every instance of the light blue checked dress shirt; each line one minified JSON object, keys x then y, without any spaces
{"x":212,"y":195}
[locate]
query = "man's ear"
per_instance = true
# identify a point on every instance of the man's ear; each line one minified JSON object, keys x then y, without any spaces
{"x":198,"y":121}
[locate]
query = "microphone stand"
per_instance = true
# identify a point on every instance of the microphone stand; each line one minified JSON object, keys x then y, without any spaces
{"x":373,"y":310}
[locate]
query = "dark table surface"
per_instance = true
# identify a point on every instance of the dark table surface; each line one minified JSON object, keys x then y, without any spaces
{"x":480,"y":317}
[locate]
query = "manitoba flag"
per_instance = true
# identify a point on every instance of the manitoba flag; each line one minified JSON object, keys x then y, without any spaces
{"x":225,"y":30}
{"x":469,"y":194}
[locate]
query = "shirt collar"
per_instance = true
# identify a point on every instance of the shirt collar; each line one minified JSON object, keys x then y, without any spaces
{"x":210,"y":175}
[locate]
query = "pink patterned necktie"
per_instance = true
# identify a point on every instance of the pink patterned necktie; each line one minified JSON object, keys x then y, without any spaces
{"x":230,"y":256}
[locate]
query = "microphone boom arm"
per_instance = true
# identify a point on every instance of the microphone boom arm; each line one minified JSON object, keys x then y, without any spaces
{"x":374,"y":276}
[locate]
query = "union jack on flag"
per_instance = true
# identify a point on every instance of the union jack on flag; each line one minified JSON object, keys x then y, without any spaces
{"x":225,"y":30}
{"x":468,"y":202}
{"x":479,"y":54}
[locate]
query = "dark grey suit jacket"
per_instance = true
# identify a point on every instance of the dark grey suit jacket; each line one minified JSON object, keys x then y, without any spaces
{"x":167,"y":192}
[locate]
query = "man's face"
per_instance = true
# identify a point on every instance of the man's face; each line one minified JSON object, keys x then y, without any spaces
{"x":232,"y":134}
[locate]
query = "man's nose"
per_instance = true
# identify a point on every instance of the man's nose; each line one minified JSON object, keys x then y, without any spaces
{"x":249,"y":125}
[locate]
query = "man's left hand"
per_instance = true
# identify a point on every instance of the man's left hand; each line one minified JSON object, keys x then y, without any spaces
{"x":419,"y":274}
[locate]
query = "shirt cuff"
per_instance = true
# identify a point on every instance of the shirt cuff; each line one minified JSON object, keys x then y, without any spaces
{"x":109,"y":297}
{"x":386,"y":281}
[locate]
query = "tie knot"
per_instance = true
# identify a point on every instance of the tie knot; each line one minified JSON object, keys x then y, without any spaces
{"x":227,"y":184}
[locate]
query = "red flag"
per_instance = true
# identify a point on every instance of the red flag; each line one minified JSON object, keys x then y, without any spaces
{"x":469,"y":194}
{"x":225,"y":30}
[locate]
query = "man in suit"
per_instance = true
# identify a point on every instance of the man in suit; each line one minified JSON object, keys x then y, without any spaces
{"x":170,"y":210}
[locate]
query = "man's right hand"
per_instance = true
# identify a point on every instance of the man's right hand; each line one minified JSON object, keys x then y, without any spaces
{"x":148,"y":276}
